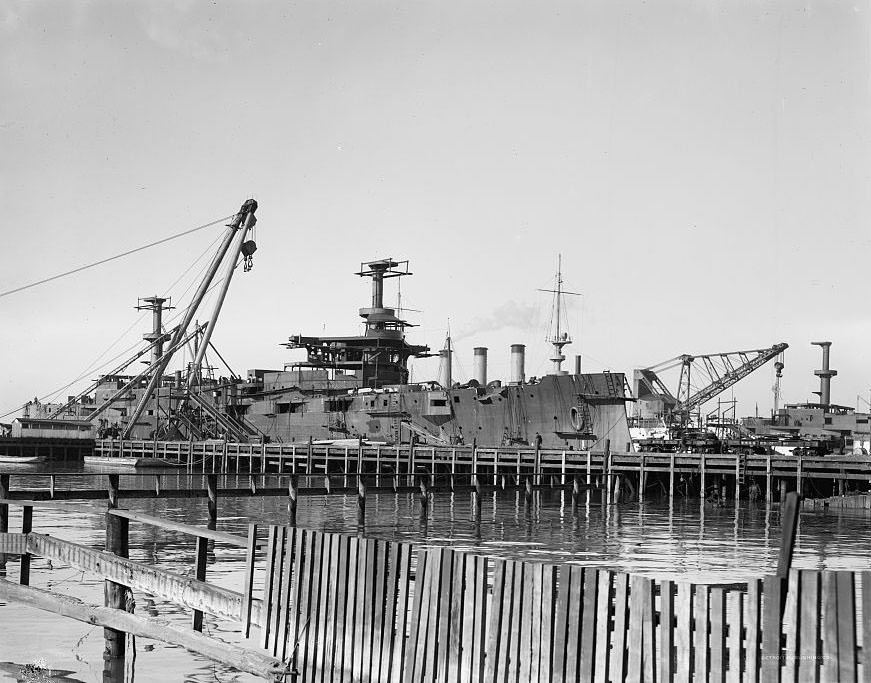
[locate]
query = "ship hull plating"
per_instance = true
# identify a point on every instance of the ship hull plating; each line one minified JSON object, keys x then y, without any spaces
{"x":560,"y":411}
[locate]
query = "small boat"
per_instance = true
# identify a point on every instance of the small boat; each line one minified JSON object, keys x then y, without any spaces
{"x":132,"y":462}
{"x":22,"y":459}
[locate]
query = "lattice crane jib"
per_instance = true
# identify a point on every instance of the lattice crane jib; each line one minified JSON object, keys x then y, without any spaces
{"x":702,"y":377}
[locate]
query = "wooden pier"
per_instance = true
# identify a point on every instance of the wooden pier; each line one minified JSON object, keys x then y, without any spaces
{"x":732,"y":475}
{"x":346,"y":608}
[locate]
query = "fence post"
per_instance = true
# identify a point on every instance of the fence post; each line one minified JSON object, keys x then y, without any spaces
{"x":248,"y":586}
{"x":117,"y":534}
{"x":26,"y":528}
{"x":199,"y":575}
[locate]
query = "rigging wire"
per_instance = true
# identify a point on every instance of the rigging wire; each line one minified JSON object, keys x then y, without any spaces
{"x":113,"y":258}
{"x":97,"y":369}
{"x":93,"y":365}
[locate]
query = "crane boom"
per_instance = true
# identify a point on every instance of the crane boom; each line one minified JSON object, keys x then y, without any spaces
{"x":715,"y":372}
{"x":722,"y":370}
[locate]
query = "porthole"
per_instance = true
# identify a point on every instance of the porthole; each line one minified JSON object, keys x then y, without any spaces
{"x":576,"y":418}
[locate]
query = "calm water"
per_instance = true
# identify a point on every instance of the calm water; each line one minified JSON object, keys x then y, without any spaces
{"x":684,"y":541}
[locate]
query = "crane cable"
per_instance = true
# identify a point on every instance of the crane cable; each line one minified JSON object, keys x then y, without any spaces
{"x":112,"y":258}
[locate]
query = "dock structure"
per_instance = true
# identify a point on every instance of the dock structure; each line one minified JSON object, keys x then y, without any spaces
{"x":350,"y":608}
{"x":729,"y":474}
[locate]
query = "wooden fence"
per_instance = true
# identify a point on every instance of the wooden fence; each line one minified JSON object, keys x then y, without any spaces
{"x":344,"y":608}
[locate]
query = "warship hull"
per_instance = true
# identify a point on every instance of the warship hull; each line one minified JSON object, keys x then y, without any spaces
{"x":557,"y":411}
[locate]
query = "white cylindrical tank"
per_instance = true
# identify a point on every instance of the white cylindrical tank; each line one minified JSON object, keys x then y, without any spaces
{"x":479,"y":369}
{"x":445,"y":378}
{"x":518,"y":361}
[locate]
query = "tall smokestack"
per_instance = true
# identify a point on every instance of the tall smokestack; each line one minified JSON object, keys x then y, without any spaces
{"x":578,"y":364}
{"x":518,"y":361}
{"x":825,"y":374}
{"x":445,"y":374}
{"x":479,"y":369}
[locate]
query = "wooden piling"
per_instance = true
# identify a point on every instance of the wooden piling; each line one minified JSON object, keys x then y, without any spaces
{"x":737,"y":477}
{"x":117,"y":539}
{"x":113,"y":488}
{"x":292,"y":493}
{"x":361,"y":501}
{"x":424,"y":500}
{"x":671,"y":476}
{"x":212,"y":492}
{"x":4,"y":513}
{"x":702,"y":488}
{"x":199,"y":575}
{"x":798,"y":475}
{"x":642,"y":479}
{"x":789,"y":522}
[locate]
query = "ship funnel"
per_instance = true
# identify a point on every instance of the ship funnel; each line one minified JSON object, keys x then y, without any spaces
{"x":445,"y":374}
{"x":479,"y":370}
{"x":518,"y":361}
{"x":825,"y":374}
{"x":578,"y":364}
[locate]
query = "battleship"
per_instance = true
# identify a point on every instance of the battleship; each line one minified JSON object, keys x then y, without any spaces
{"x":357,"y":387}
{"x":347,"y":388}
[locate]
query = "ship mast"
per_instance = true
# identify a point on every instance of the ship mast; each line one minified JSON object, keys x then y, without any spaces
{"x":558,"y":339}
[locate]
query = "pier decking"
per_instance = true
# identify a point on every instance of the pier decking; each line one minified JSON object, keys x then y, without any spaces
{"x":734,"y":472}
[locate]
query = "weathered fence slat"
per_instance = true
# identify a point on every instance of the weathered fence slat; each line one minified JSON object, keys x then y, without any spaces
{"x":560,"y":626}
{"x":682,"y":641}
{"x":548,"y":614}
{"x":809,"y":626}
{"x":588,"y":627}
{"x":621,"y":622}
{"x":847,"y":669}
{"x":829,"y":672}
{"x":700,"y":639}
{"x":495,"y":646}
{"x":866,"y":626}
{"x":718,"y":635}
{"x":753,"y":605}
{"x":771,"y":632}
{"x":734,"y":621}
{"x":666,"y":623}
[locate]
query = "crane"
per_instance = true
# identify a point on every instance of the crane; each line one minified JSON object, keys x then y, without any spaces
{"x":702,"y":377}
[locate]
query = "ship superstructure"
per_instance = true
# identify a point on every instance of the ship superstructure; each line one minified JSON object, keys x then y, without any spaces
{"x":357,"y":387}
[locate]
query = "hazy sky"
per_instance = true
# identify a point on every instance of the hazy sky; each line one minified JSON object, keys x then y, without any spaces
{"x":703,"y":167}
